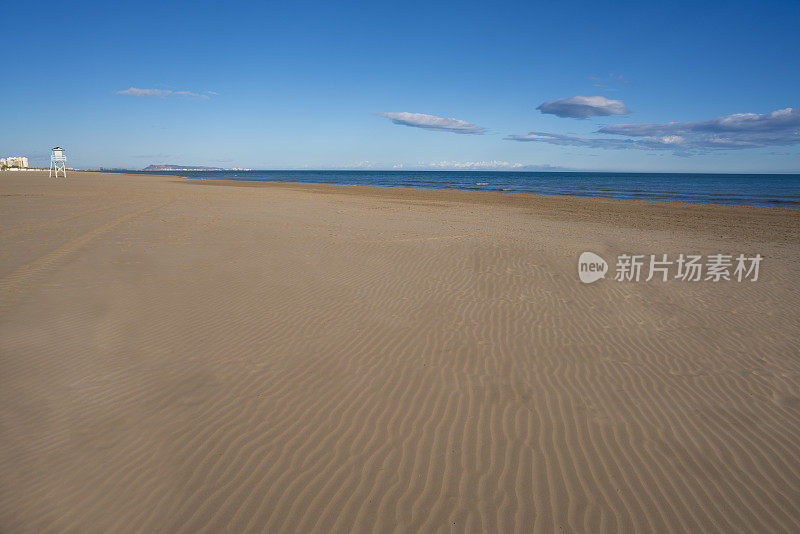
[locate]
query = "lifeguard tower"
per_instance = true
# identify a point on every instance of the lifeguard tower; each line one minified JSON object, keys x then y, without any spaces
{"x":58,"y":162}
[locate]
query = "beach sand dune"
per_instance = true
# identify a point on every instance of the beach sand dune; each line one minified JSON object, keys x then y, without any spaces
{"x":191,"y":356}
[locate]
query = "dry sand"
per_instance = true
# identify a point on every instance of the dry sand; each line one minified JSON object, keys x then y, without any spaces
{"x":183,"y":356}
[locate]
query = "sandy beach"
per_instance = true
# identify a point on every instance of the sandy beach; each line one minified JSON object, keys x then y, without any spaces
{"x":195,"y":356}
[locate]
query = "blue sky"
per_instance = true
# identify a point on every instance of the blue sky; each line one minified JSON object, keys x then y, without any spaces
{"x":414,"y":84}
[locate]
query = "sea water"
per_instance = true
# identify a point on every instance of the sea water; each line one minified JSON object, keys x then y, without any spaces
{"x":773,"y":190}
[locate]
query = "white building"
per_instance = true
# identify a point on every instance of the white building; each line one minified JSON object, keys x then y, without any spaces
{"x":14,"y":162}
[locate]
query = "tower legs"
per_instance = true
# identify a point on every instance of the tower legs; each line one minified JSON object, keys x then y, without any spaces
{"x":56,"y":166}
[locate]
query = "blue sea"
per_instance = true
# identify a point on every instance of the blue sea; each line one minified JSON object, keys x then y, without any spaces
{"x":772,"y":190}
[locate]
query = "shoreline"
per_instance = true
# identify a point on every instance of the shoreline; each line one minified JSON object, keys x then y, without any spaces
{"x":429,"y":190}
{"x":694,"y":193}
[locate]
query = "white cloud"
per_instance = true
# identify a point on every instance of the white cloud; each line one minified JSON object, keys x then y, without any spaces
{"x":359,"y":165}
{"x":581,"y":107}
{"x":431,"y":122}
{"x":485,"y":165}
{"x":135,"y":91}
{"x":730,"y":132}
{"x":451,"y":165}
{"x":473,"y":165}
{"x":780,"y":122}
{"x":185,"y":93}
{"x":588,"y":142}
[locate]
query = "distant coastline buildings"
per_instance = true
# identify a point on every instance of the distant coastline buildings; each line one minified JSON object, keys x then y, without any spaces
{"x":14,"y":163}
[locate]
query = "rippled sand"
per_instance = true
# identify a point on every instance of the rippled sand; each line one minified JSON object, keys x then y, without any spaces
{"x":183,"y":356}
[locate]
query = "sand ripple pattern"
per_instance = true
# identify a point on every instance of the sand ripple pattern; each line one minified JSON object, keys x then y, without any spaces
{"x":275,"y":360}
